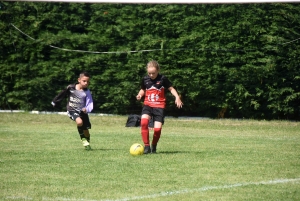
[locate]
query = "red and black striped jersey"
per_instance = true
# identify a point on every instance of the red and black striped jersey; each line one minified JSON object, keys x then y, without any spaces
{"x":155,"y":90}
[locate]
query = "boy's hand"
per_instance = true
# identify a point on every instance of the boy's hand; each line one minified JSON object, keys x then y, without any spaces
{"x":83,"y":110}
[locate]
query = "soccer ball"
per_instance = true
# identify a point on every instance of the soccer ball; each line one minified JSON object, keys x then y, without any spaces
{"x":136,"y":149}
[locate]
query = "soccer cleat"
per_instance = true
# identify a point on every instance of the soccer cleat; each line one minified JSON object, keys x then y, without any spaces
{"x":86,"y":144}
{"x":88,"y":148}
{"x":153,"y":149}
{"x":147,"y":150}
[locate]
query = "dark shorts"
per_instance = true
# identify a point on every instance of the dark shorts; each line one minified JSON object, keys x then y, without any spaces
{"x":85,"y":118}
{"x":158,"y":114}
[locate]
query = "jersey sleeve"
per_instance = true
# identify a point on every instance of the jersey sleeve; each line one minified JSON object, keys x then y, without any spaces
{"x":57,"y":99}
{"x":167,"y":83}
{"x":142,"y":84}
{"x":89,"y":105}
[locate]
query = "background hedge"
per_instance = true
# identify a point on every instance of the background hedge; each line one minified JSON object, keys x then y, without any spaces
{"x":226,"y":60}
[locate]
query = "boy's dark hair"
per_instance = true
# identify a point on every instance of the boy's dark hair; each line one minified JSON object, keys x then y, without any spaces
{"x":84,"y":73}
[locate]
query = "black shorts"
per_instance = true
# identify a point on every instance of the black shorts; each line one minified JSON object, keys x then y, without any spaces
{"x":84,"y":116}
{"x":158,"y":114}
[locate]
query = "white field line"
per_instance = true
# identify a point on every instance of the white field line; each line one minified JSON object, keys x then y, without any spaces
{"x":206,"y":188}
{"x":168,"y":193}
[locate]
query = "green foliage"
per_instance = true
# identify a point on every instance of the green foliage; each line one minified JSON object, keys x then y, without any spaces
{"x":238,"y":58}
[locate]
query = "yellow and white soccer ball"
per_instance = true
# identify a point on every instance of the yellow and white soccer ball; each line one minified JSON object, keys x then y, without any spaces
{"x":136,"y":149}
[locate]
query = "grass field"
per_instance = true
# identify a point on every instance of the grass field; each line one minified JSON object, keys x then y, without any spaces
{"x":42,"y":158}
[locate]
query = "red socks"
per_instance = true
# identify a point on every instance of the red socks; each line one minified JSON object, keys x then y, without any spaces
{"x":156,"y":135}
{"x":145,"y":133}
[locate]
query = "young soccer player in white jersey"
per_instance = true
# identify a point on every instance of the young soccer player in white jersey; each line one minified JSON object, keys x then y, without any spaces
{"x":153,"y":87}
{"x":80,"y":103}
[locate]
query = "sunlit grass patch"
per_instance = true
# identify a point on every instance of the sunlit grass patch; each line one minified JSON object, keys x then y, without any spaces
{"x":42,"y":158}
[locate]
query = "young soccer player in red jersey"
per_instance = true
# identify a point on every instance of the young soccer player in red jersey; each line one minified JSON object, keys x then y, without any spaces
{"x":153,"y":87}
{"x":80,"y":103}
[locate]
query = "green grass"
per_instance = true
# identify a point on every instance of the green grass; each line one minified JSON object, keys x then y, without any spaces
{"x":42,"y":158}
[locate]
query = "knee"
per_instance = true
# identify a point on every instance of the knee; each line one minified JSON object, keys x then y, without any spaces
{"x":79,"y":122}
{"x":144,"y":122}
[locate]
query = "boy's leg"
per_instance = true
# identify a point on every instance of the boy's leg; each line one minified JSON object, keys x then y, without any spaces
{"x":75,"y":116}
{"x":84,"y":136}
{"x":80,"y":132}
{"x":86,"y":125}
{"x":84,"y":139}
{"x":87,"y":135}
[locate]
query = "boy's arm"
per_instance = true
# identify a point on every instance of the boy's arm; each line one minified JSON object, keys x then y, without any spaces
{"x":89,"y":105}
{"x":60,"y":97}
{"x":178,"y":102}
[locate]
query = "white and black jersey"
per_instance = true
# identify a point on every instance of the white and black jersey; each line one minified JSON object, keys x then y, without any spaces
{"x":77,"y":99}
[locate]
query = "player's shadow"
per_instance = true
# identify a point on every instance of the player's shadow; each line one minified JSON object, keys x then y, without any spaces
{"x":159,"y":152}
{"x":104,"y":149}
{"x":179,"y":152}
